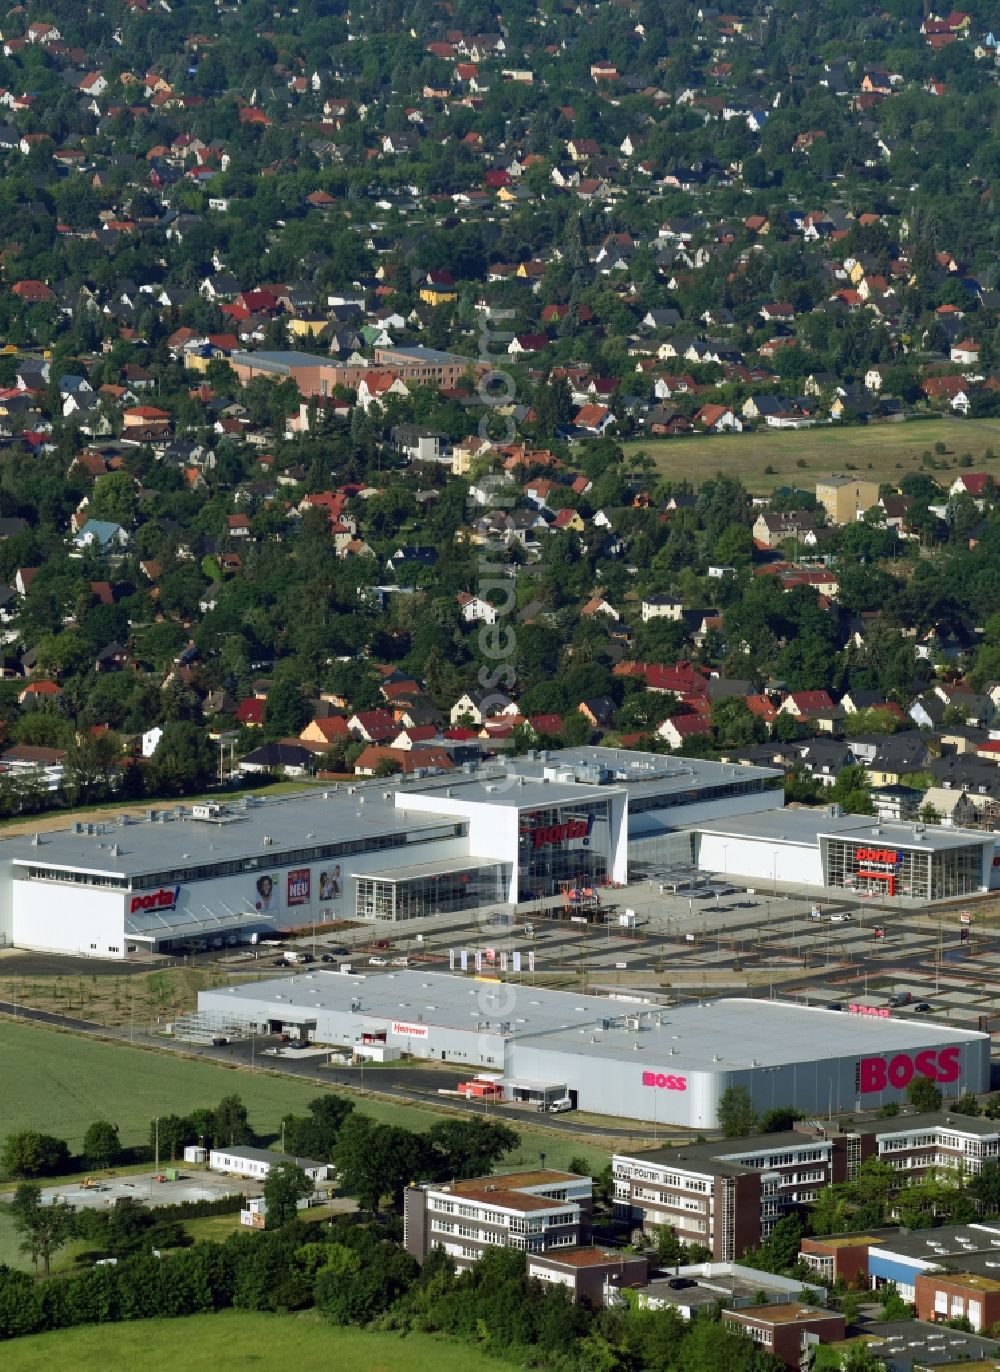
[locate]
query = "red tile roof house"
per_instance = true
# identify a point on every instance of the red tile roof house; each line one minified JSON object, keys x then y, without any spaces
{"x":682,"y":679}
{"x":803,"y":705}
{"x":374,"y":726}
{"x":762,"y":708}
{"x":250,"y":712}
{"x":682,"y":728}
{"x":406,"y":760}
{"x":40,"y":690}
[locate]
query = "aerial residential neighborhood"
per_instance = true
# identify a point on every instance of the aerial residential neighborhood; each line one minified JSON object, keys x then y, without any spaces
{"x":499,"y":685}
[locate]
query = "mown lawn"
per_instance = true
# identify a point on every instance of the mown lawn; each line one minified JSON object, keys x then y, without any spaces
{"x":60,"y":1083}
{"x":237,"y":1339}
{"x":883,"y":452}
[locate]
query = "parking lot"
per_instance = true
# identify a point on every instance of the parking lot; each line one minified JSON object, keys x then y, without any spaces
{"x":194,"y":1184}
{"x":721,"y":937}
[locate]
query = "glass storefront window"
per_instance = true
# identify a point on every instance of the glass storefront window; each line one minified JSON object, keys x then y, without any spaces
{"x":919,"y":874}
{"x":564,"y":845}
{"x":388,"y":898}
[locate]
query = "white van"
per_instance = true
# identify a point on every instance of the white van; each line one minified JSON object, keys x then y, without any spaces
{"x":558,"y":1107}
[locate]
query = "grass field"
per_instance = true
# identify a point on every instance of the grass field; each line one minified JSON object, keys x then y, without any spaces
{"x":236,"y":1339}
{"x":883,"y":452}
{"x":60,"y":1083}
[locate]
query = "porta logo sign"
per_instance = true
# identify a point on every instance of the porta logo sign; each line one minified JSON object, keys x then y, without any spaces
{"x":664,"y":1082}
{"x":546,"y":834}
{"x":409,"y":1031}
{"x":881,"y":1074}
{"x":163,"y":899}
{"x":888,"y":856}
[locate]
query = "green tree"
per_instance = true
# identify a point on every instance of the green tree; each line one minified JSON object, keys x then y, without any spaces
{"x":315,"y":1134}
{"x":114,"y":499}
{"x":31,"y":1154}
{"x":184,"y":760}
{"x":376,"y":1160}
{"x":44,"y":1229}
{"x":285,"y":1185}
{"x":893,"y":1305}
{"x":737,"y":1117}
{"x":984,"y":1188}
{"x":778,"y":1120}
{"x":469,"y":1148}
{"x":923,"y":1095}
{"x":285,"y":709}
{"x":231,"y":1125}
{"x":101,"y":1145}
{"x":852,"y":790}
{"x":173,"y":1133}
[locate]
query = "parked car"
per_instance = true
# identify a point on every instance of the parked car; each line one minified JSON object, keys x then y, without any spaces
{"x":327,"y":957}
{"x":922,"y":1007}
{"x":900,"y":998}
{"x":219,"y":1041}
{"x":841,"y":917}
{"x":376,"y":961}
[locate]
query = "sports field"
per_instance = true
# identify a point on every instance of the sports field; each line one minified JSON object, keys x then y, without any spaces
{"x":237,"y":1339}
{"x":882,"y":452}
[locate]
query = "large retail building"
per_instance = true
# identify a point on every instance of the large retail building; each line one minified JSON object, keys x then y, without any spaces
{"x":517,"y":830}
{"x":381,"y":850}
{"x":667,"y":1065}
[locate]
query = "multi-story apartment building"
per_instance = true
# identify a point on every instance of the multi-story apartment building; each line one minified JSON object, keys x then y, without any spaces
{"x":531,"y":1211}
{"x":723,"y":1196}
{"x":727,"y":1196}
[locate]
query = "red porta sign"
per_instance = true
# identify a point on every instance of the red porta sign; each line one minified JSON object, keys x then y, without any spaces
{"x":299,"y":886}
{"x":896,"y":1073}
{"x":546,"y":834}
{"x":878,"y":1011}
{"x":163,"y":899}
{"x":877,"y":855}
{"x":664,"y":1082}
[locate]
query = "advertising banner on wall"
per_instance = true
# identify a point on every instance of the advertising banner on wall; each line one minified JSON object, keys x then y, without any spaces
{"x":298,"y":886}
{"x":266,"y":897}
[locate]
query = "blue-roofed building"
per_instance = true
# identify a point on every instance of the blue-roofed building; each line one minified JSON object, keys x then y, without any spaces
{"x":102,"y":535}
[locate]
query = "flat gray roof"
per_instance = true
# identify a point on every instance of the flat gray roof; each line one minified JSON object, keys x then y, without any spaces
{"x":808,"y":826}
{"x":426,"y":869}
{"x":936,"y":1245}
{"x":419,"y":354}
{"x":784,"y":826}
{"x":266,"y":828}
{"x":274,"y":359}
{"x":509,"y":791}
{"x":722,"y":1035}
{"x":642,"y":771}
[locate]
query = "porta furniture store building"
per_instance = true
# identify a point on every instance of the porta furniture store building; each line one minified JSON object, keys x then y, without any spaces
{"x":380,"y":851}
{"x":611,"y":1058}
{"x":522,"y":829}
